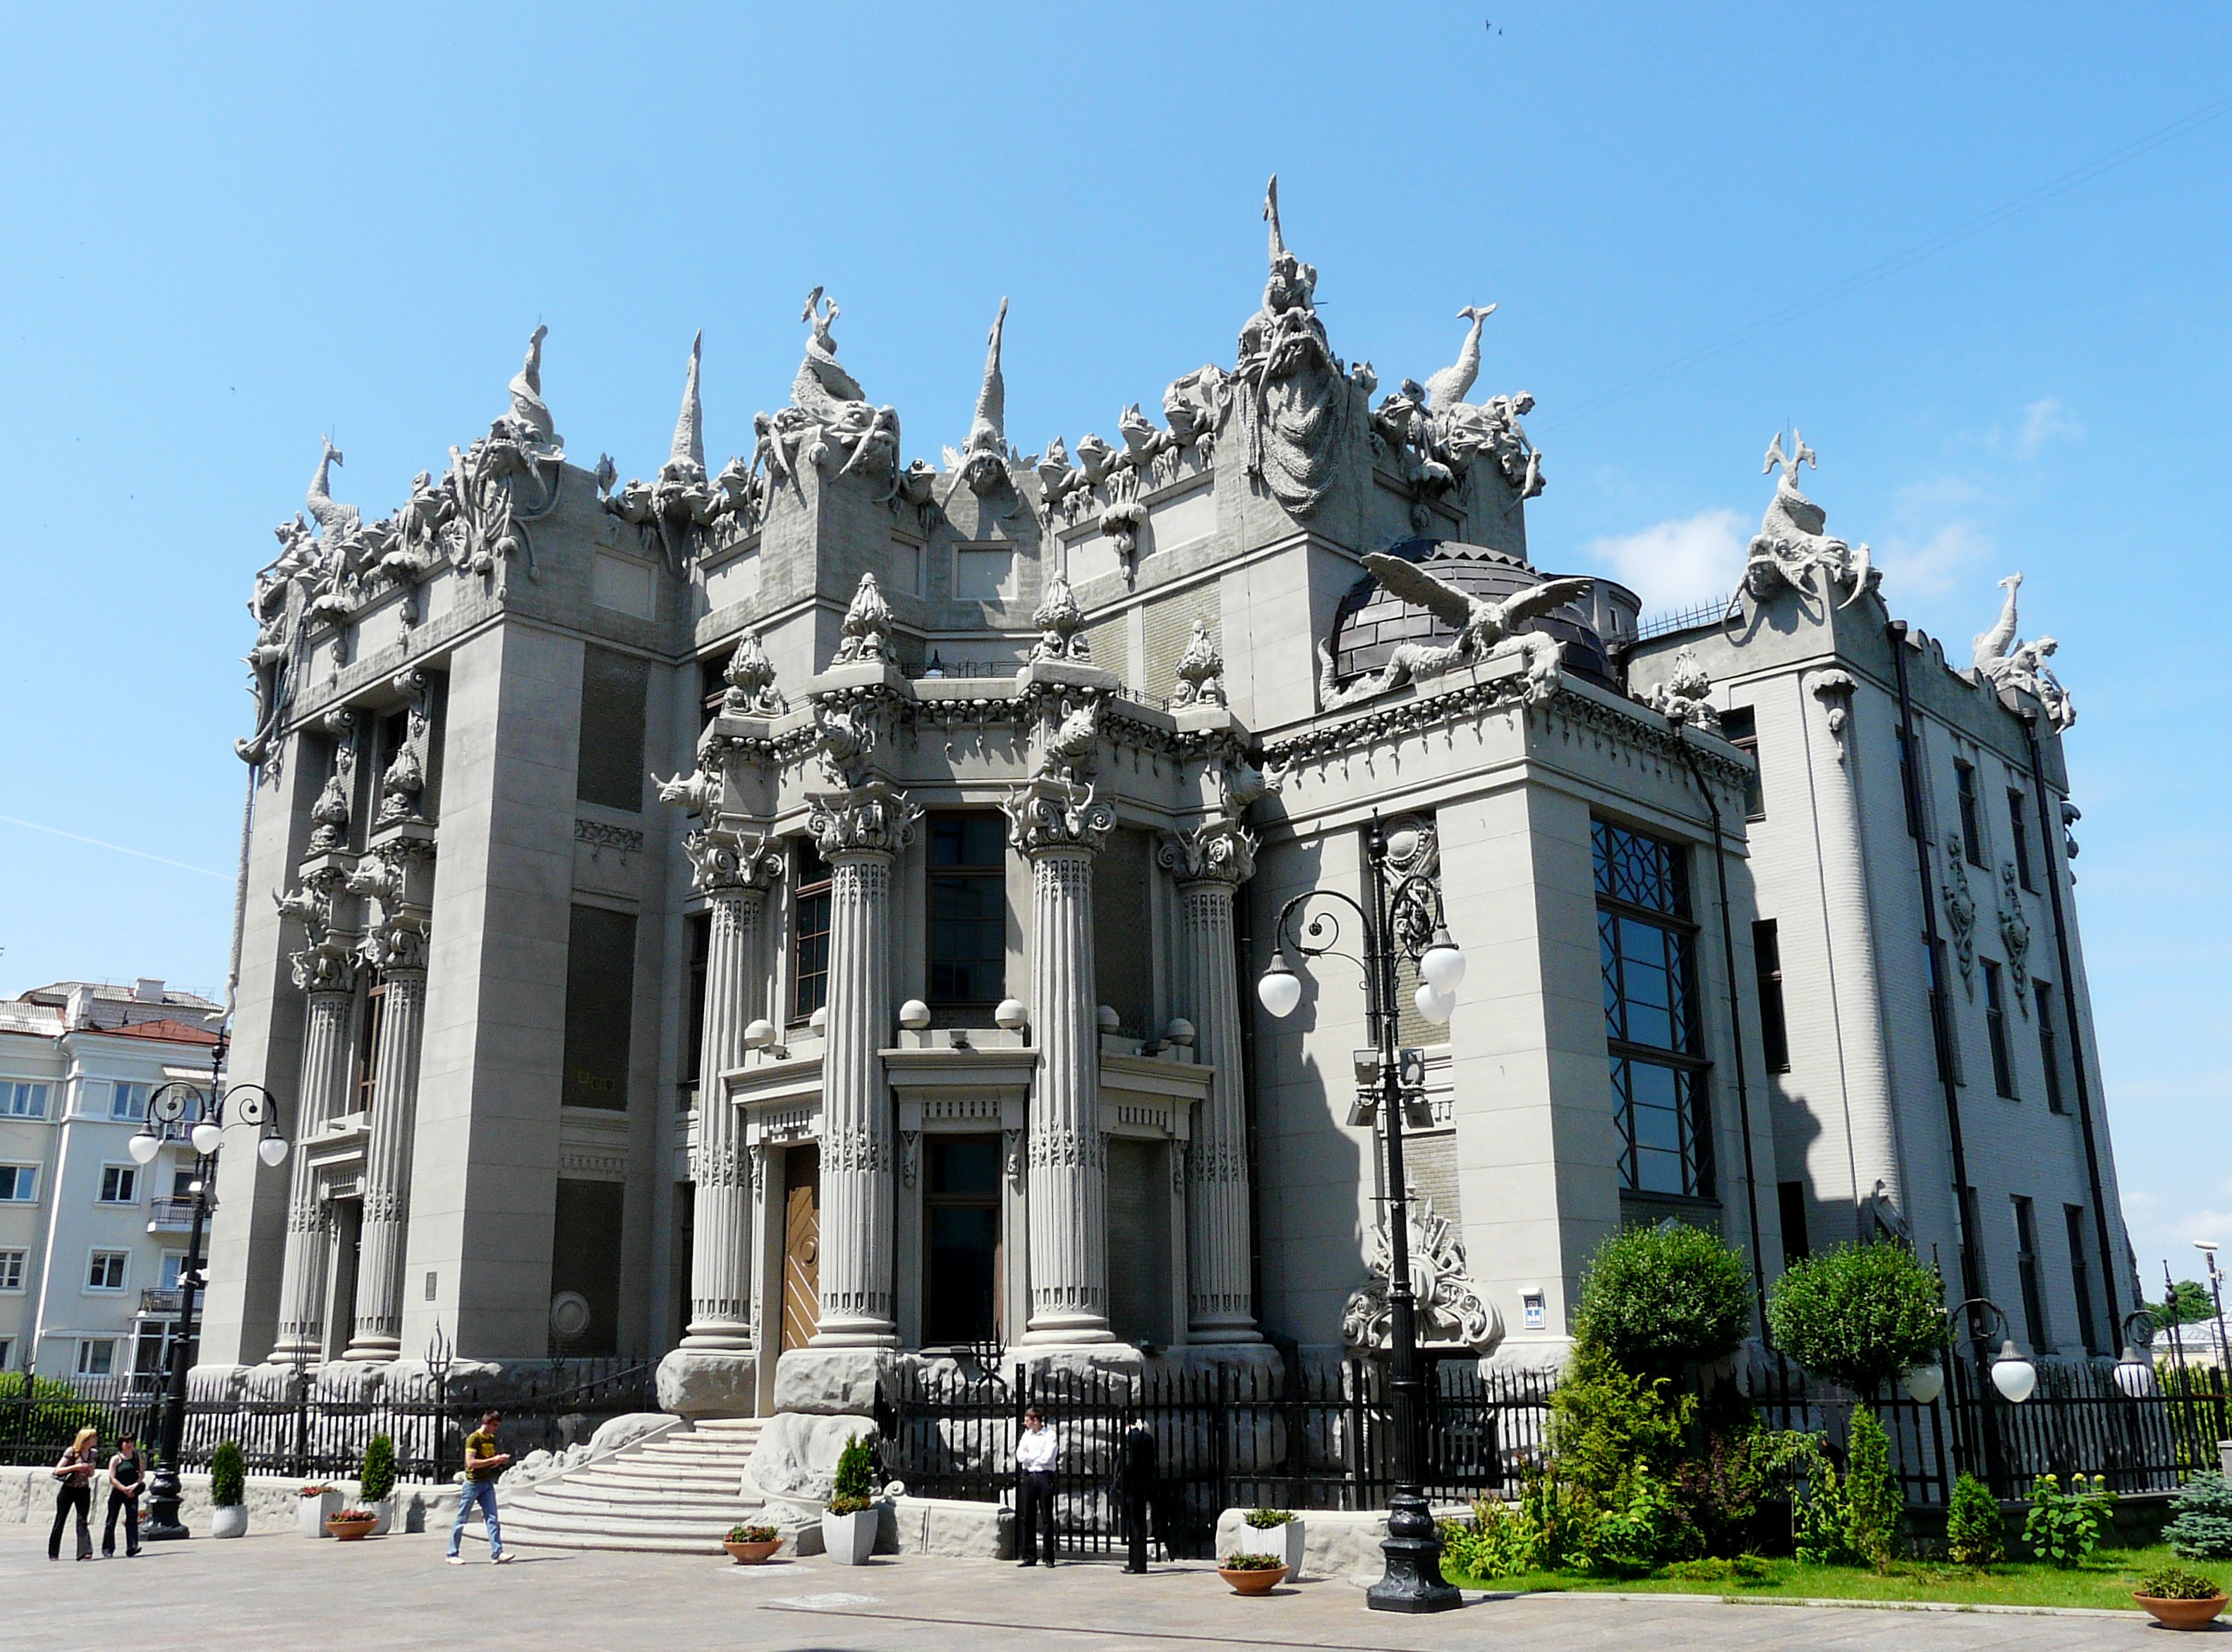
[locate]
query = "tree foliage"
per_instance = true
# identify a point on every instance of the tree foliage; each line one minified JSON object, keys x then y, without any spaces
{"x":1858,"y":1314}
{"x":2189,"y":1304}
{"x":2202,"y":1527}
{"x":227,"y":1476}
{"x":1657,"y":1298}
{"x":378,"y":1477}
{"x":1875,"y":1509}
{"x":852,"y":1485}
{"x":1976,"y":1531}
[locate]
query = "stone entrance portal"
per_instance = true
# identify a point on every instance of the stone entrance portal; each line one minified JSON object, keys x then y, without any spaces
{"x":801,"y":1246}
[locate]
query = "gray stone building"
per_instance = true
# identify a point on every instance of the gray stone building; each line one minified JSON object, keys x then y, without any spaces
{"x":915,"y":1011}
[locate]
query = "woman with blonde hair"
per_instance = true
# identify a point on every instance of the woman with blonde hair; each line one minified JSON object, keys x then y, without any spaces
{"x":75,"y":1472}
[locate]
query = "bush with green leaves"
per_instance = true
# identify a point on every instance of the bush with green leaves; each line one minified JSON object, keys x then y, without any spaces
{"x":2202,"y":1527}
{"x":1264,"y":1519}
{"x":377,"y":1477}
{"x":1658,"y":1298}
{"x":1501,"y":1540}
{"x":852,"y":1488}
{"x":1636,"y":1527}
{"x":1976,"y":1530}
{"x":1255,"y":1563}
{"x":1817,"y":1502}
{"x":2064,"y":1527}
{"x":2179,"y":1583}
{"x":227,"y":1476}
{"x":1858,"y":1314}
{"x":1875,"y":1510}
{"x":1605,"y":1421}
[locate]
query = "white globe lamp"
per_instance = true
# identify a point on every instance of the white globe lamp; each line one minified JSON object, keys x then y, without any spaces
{"x":1280,"y":989}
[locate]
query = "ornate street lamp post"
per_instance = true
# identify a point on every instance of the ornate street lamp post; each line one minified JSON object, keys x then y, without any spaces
{"x":179,"y":1102}
{"x":1406,"y":921}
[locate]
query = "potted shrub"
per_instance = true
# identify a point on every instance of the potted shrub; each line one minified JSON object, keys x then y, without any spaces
{"x":1252,"y":1574}
{"x":351,"y":1524}
{"x":749,"y":1544}
{"x":848,"y":1523}
{"x":1284,"y":1526}
{"x":228,"y":1491}
{"x":2178,"y":1598}
{"x":316,"y":1502}
{"x":375,"y":1485}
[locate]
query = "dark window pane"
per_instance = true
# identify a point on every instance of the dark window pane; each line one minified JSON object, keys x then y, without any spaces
{"x":1767,"y":961}
{"x":809,"y":955}
{"x":585,"y":1256}
{"x":2019,"y":833}
{"x":701,"y":934}
{"x":962,"y":1275}
{"x":968,"y":901}
{"x":966,"y":1164}
{"x":599,"y":1001}
{"x":2049,"y":1048}
{"x":610,"y":772}
{"x":1790,"y":1198}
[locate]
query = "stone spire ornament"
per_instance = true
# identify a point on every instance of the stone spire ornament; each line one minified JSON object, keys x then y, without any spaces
{"x":528,"y":407}
{"x":1061,"y":623}
{"x":867,"y":626}
{"x":984,"y":455}
{"x":750,"y":678}
{"x":689,"y":425}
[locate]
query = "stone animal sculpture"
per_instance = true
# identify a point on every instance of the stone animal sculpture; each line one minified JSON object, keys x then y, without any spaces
{"x":1481,"y":626}
{"x":335,"y":521}
{"x":2006,"y":663}
{"x":1792,"y":548}
{"x":1451,"y":384}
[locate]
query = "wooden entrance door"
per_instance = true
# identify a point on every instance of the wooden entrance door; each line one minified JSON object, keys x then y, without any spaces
{"x":801,"y":1246}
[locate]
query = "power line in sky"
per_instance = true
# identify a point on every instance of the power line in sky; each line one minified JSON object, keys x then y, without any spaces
{"x":118,"y":848}
{"x":2008,"y":209}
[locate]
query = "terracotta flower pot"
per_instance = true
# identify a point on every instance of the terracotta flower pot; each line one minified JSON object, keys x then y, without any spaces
{"x":750,"y":1554}
{"x":351,"y":1529}
{"x":2182,"y":1614}
{"x":1253,"y":1583}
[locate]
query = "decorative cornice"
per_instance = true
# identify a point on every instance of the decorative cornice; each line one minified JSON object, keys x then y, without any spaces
{"x":1047,"y":813}
{"x":744,"y":859}
{"x":875,"y":818}
{"x":628,"y":840}
{"x":1216,"y":850}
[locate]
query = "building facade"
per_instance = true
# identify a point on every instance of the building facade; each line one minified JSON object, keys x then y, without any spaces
{"x":92,"y":1242}
{"x":783,"y":919}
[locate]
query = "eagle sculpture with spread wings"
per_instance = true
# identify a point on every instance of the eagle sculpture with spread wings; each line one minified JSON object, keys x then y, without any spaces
{"x":1480,"y":625}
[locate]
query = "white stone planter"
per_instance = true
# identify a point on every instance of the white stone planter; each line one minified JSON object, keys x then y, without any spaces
{"x":310,"y":1513}
{"x":230,"y":1522}
{"x":1285,"y":1541}
{"x":850,"y":1538}
{"x":386,"y":1508}
{"x":1293,"y":1550}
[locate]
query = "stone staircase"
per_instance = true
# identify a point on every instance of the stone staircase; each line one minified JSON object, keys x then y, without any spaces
{"x":676,"y":1493}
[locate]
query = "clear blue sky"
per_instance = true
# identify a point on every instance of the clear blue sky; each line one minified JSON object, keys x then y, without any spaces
{"x":224,"y":237}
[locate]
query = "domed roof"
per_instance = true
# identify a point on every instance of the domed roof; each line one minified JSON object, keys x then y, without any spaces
{"x":1371,"y":622}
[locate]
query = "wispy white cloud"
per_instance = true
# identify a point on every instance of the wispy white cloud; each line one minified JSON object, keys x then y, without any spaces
{"x":1677,"y":564}
{"x":1937,"y":565}
{"x":2045,"y":421}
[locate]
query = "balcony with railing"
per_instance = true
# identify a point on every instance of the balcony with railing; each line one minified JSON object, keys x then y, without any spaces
{"x":170,"y":1216}
{"x":161,"y":1299}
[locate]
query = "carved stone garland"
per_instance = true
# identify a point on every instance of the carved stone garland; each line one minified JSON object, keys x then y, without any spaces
{"x":1451,"y":1310}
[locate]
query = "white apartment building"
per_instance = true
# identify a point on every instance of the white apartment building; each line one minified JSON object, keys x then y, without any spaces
{"x":91,"y":1243}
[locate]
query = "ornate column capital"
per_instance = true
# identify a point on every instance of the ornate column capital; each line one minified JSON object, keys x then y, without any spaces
{"x":395,"y":945}
{"x":1216,"y":850}
{"x":721,"y":860}
{"x":325,"y":967}
{"x":1049,"y":814}
{"x":874,"y":816}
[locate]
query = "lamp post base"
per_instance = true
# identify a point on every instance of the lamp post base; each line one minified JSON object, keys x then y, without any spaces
{"x":162,"y":1524}
{"x":1413,"y":1581}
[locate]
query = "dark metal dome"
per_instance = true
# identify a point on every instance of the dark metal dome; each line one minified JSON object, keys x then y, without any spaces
{"x":1369,"y":621}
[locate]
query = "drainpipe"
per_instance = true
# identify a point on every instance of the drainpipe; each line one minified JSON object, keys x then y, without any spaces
{"x":2047,"y":834}
{"x":1940,"y":1012}
{"x":1735,"y":1021}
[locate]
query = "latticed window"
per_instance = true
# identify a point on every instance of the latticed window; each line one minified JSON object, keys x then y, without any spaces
{"x":968,"y":911}
{"x":1647,"y":949}
{"x":809,"y":956}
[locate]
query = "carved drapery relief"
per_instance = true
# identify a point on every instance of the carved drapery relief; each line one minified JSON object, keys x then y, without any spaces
{"x":329,"y":815}
{"x":1960,"y":910}
{"x":2014,"y":933}
{"x":1834,"y":690}
{"x":865,"y":634}
{"x":403,"y":783}
{"x":1451,"y":1310}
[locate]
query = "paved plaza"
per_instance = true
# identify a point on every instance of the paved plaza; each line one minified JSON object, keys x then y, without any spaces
{"x":280,"y":1591}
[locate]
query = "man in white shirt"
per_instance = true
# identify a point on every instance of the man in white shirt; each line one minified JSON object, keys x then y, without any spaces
{"x":1036,"y":1454}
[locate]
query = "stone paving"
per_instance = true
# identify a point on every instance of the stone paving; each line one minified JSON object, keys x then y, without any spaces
{"x":282,"y":1591}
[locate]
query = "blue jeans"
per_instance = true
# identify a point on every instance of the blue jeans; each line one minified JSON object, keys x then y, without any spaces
{"x":482,"y":1492}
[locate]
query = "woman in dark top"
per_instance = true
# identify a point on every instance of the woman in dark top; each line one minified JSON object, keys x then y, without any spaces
{"x":126,"y":1475}
{"x":76,"y":1471}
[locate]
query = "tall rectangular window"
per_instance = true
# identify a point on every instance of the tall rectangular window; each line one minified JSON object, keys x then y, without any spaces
{"x":1740,"y":728}
{"x":585,"y":1237}
{"x":2049,"y":1047}
{"x":1790,"y":1201}
{"x":2019,"y":835}
{"x":2081,"y":1278}
{"x":1995,"y":1029}
{"x":1767,"y":961}
{"x":1972,"y":824}
{"x":600,"y":1008}
{"x":1646,"y":947}
{"x":809,"y":932}
{"x":610,"y":772}
{"x":367,"y":1042}
{"x":968,"y":912}
{"x":2034,"y":1296}
{"x":961,"y":1212}
{"x":693,"y":1033}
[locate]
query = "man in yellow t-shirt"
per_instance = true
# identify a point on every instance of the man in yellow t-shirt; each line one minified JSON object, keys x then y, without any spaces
{"x":483,"y":1462}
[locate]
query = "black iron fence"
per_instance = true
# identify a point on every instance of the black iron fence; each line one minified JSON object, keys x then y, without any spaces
{"x":1922,"y":1444}
{"x":1225,"y":1436}
{"x":2079,"y":1422}
{"x":289,"y":1422}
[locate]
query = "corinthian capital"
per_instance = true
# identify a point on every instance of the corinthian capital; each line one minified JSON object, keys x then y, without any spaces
{"x":398,"y":944}
{"x":324,"y":969}
{"x":721,"y":860}
{"x":1217,"y":850}
{"x":871,"y":816}
{"x":1056,"y":813}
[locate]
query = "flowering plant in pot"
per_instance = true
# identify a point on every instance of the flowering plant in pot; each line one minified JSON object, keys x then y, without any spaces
{"x":1283,"y":1525}
{"x":749,"y":1544}
{"x":228,"y":1491}
{"x":1252,"y":1574}
{"x":2180,"y":1599}
{"x":351,"y":1524}
{"x":315,"y":1503}
{"x":848,"y":1522}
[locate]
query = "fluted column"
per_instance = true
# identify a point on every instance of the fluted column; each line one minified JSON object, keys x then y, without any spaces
{"x":735,"y":876}
{"x":398,"y":951}
{"x":1211,"y":863}
{"x":860,"y":830}
{"x":1058,"y":826}
{"x":329,"y":975}
{"x":1854,"y":987}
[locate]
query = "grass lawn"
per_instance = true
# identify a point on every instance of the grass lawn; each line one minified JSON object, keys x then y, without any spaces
{"x":2104,"y":1580}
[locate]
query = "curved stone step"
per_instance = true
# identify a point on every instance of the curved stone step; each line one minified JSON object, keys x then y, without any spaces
{"x":675,"y":1494}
